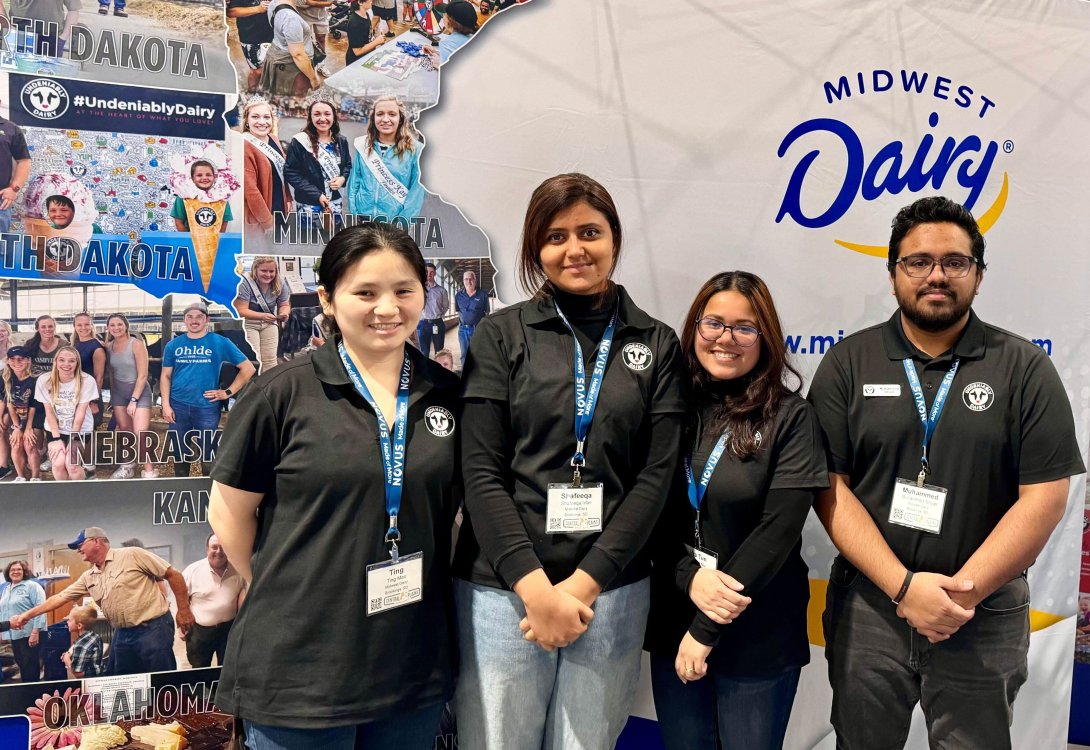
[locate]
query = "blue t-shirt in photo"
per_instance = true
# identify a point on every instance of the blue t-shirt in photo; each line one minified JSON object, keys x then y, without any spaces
{"x":197,"y":364}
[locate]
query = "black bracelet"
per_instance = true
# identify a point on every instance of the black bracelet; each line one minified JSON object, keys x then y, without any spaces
{"x":904,"y":589}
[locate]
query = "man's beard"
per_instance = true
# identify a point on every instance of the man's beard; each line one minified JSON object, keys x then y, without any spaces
{"x":933,"y":318}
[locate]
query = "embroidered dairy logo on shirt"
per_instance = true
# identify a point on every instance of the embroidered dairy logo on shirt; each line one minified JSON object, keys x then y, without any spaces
{"x":978,"y":396}
{"x":636,"y":356}
{"x":440,"y":421}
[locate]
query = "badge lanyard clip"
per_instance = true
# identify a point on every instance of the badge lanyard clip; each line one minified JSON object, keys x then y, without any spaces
{"x":393,"y":448}
{"x":697,"y":489}
{"x":929,"y":421}
{"x":586,"y":396}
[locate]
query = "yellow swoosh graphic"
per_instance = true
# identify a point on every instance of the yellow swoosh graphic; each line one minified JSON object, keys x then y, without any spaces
{"x":985,"y":222}
{"x":1037,"y":620}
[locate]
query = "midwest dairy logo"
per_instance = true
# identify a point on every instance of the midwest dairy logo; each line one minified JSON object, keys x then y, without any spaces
{"x":961,"y":166}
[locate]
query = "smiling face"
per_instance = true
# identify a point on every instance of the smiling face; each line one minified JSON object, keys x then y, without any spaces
{"x":215,"y":555}
{"x":20,"y":366}
{"x":724,"y":359}
{"x":577,"y":253}
{"x":259,"y":120}
{"x":936,"y":302}
{"x":117,"y":327}
{"x":85,"y":329}
{"x":16,"y":573}
{"x":196,"y":323}
{"x":5,"y":336}
{"x":469,"y":280}
{"x":47,"y":329}
{"x":265,"y":272}
{"x":321,"y":116}
{"x":203,"y":176}
{"x":67,"y":364}
{"x":376,"y":303}
{"x":387,"y":118}
{"x":60,"y":213}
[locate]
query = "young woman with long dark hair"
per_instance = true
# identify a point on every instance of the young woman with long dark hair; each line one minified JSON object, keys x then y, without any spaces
{"x":318,"y":165}
{"x":727,"y":630}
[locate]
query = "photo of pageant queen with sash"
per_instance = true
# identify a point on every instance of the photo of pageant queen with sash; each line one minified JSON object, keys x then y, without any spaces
{"x":385,"y":179}
{"x":264,"y":189}
{"x":317,"y":167}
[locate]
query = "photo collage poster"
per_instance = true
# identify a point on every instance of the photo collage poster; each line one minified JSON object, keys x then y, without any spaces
{"x":179,"y":170}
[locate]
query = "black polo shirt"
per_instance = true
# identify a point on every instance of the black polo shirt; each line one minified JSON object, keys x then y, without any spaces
{"x":302,"y":652}
{"x":12,"y":147}
{"x":753,"y":520}
{"x":254,"y":29}
{"x":521,"y":361}
{"x":1007,"y":422}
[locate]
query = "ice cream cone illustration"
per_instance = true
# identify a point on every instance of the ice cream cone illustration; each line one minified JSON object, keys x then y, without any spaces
{"x":205,"y":219}
{"x":59,"y":250}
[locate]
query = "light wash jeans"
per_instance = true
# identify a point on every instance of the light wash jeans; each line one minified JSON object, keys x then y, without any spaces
{"x":514,"y":695}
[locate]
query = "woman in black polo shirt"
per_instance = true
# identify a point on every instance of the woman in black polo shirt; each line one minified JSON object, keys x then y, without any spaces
{"x":553,"y":590}
{"x":727,"y":631}
{"x":345,"y":639}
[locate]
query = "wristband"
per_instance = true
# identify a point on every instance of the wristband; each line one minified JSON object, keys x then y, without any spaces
{"x":227,"y":391}
{"x":904,"y":589}
{"x":134,"y":400}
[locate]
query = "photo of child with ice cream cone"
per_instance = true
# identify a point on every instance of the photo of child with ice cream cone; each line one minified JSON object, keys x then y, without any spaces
{"x":202,"y":184}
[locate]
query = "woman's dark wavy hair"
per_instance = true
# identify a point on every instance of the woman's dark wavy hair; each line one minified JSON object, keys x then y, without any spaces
{"x":557,"y":194}
{"x":353,"y":243}
{"x":34,"y":343}
{"x":766,"y":385}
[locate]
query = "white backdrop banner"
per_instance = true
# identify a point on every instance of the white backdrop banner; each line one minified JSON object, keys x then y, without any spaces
{"x":781,"y":138}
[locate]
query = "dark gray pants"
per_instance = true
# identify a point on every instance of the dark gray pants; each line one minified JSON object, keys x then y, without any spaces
{"x":880,"y":667}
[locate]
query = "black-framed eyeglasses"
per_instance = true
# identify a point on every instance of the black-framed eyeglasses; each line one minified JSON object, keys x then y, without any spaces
{"x":921,"y":266}
{"x":711,"y":329}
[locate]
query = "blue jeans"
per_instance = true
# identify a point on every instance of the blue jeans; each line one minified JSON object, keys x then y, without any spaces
{"x":118,"y":4}
{"x":202,"y":419}
{"x":427,"y":339}
{"x":720,"y":711}
{"x":5,"y":220}
{"x":408,"y":731}
{"x":144,"y":648}
{"x":465,"y":333}
{"x":514,"y":695}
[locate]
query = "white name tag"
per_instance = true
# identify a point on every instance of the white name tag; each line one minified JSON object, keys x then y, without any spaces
{"x":881,"y":389}
{"x":394,"y":584}
{"x":574,"y":509}
{"x":917,"y":507}
{"x":434,"y":329}
{"x":704,"y":557}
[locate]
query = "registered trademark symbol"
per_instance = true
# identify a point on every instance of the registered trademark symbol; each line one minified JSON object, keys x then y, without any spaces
{"x":1008,"y":146}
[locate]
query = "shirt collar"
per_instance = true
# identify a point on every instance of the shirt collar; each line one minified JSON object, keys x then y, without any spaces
{"x":329,"y":368}
{"x":109,"y":558}
{"x":541,"y":309}
{"x":969,"y":346}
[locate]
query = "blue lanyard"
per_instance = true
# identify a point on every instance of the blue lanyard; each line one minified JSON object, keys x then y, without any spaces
{"x":586,"y":397}
{"x":698,"y":489}
{"x":393,"y":450}
{"x":929,"y":421}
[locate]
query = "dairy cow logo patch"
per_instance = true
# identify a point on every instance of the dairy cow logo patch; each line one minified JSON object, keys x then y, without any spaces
{"x":440,"y":422}
{"x":44,"y":99}
{"x":636,"y":356}
{"x":205,"y":216}
{"x":978,"y":396}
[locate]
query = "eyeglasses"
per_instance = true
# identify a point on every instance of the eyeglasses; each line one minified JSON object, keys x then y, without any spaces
{"x":921,"y":266}
{"x":711,"y":329}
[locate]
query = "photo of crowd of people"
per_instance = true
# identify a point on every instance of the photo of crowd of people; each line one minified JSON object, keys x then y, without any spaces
{"x":127,"y":596}
{"x":105,"y":381}
{"x":348,"y":51}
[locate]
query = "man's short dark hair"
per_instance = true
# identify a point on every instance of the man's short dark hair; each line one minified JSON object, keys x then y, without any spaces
{"x":430,"y":265}
{"x":934,"y":210}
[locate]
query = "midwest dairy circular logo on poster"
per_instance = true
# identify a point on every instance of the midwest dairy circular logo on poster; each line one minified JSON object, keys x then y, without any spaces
{"x":62,"y":250}
{"x":204,"y":216}
{"x":440,"y":421}
{"x":45,"y":99}
{"x":637,"y":356}
{"x":849,"y":156}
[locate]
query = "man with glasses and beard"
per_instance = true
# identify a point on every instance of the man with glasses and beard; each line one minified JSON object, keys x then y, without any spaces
{"x":936,"y":520}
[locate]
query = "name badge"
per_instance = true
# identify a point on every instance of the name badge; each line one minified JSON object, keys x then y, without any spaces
{"x":574,"y":509}
{"x":393,"y":584}
{"x":704,"y":557}
{"x":917,"y":507}
{"x":434,"y":329}
{"x":881,"y":389}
